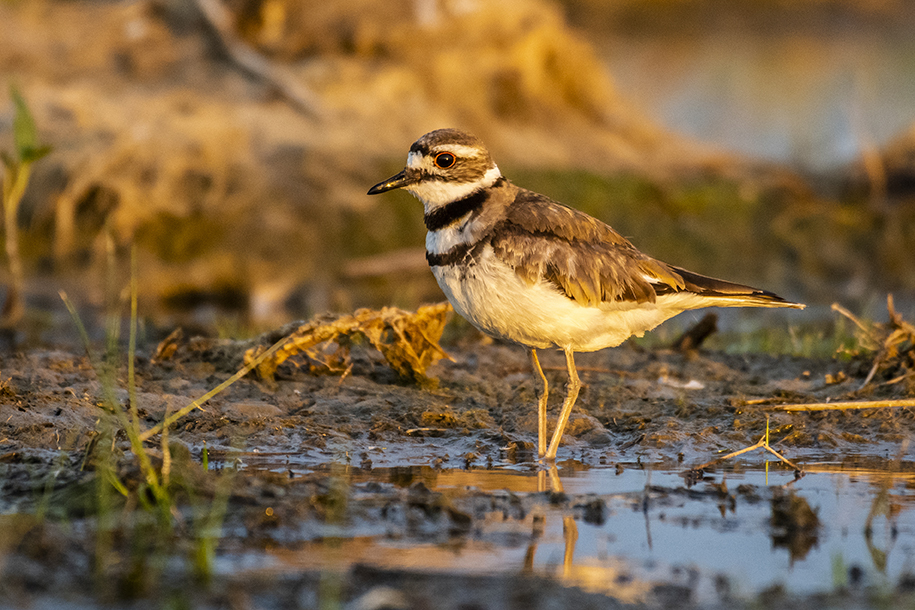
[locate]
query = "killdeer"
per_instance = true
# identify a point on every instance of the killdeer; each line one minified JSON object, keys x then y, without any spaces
{"x":524,"y":268}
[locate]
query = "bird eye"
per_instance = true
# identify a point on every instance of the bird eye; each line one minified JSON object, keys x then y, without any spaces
{"x":444,"y":160}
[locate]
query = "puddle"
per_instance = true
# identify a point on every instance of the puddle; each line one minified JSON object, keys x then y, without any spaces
{"x":627,"y":529}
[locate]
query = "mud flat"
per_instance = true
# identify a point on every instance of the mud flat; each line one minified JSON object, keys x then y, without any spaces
{"x":368,"y":491}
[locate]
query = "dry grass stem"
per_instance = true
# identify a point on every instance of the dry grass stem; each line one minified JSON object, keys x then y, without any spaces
{"x":849,"y":404}
{"x":249,"y":366}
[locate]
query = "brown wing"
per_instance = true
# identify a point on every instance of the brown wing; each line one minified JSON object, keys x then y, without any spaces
{"x":583,"y":257}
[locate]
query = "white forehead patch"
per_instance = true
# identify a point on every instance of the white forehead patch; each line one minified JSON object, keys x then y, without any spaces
{"x":414,"y":160}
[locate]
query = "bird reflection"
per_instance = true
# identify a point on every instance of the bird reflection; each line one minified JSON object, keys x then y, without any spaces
{"x":569,"y":527}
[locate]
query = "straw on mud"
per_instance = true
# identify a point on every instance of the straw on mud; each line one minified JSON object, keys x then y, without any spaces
{"x":407,"y":340}
{"x":849,"y":404}
{"x":222,"y":386}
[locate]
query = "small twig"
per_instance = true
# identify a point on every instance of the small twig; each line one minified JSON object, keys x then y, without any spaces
{"x":426,"y":432}
{"x":763,"y":443}
{"x":782,"y":458}
{"x":896,"y":379}
{"x":871,"y":374}
{"x":852,"y":317}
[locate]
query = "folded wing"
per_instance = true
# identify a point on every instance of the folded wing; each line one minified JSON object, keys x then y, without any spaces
{"x":583,"y":257}
{"x":591,"y":263}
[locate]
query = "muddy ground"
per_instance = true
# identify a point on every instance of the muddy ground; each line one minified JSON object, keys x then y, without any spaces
{"x":322,"y":462}
{"x":655,"y":404}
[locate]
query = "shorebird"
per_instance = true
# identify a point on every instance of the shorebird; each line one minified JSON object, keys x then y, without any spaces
{"x":529,"y":270}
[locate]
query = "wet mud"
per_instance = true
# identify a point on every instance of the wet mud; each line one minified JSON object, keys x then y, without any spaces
{"x":364,"y":490}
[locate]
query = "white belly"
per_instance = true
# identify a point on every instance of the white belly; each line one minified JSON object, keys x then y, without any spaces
{"x":492,"y":297}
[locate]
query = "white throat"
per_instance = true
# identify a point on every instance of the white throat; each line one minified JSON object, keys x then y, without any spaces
{"x":436,"y":193}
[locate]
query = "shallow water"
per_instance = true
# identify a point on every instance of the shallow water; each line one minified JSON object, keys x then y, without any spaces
{"x":839,"y":88}
{"x":628,"y":528}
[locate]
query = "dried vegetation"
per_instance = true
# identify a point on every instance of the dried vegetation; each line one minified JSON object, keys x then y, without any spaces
{"x":888,"y":348}
{"x":407,"y":340}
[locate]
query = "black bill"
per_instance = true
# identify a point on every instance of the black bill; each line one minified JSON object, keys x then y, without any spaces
{"x":394,"y":182}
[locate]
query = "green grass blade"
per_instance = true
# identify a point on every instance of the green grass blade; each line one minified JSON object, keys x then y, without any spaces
{"x":25,"y":134}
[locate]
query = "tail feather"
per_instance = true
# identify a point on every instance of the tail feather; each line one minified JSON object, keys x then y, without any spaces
{"x":726,"y":293}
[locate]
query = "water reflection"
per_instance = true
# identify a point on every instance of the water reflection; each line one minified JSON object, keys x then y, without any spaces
{"x":795,"y":525}
{"x":569,"y":528}
{"x":626,"y":529}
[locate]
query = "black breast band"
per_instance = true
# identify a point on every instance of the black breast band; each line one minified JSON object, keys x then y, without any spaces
{"x":440,"y":218}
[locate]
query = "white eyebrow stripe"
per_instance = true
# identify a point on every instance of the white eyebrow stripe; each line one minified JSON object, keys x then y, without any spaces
{"x":458,"y":149}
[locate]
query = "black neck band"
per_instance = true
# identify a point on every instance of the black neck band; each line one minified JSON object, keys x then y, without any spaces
{"x":440,"y":218}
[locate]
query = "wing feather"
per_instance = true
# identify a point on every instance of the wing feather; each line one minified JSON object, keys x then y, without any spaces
{"x":583,"y":257}
{"x":589,"y":262}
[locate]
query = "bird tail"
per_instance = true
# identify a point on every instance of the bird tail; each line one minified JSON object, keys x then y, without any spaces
{"x":721,"y":293}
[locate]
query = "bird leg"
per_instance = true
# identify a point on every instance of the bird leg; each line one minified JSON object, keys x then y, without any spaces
{"x":571,"y":396}
{"x":541,"y":408}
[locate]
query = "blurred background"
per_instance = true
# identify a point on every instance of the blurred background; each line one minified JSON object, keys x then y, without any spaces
{"x":770,"y":142}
